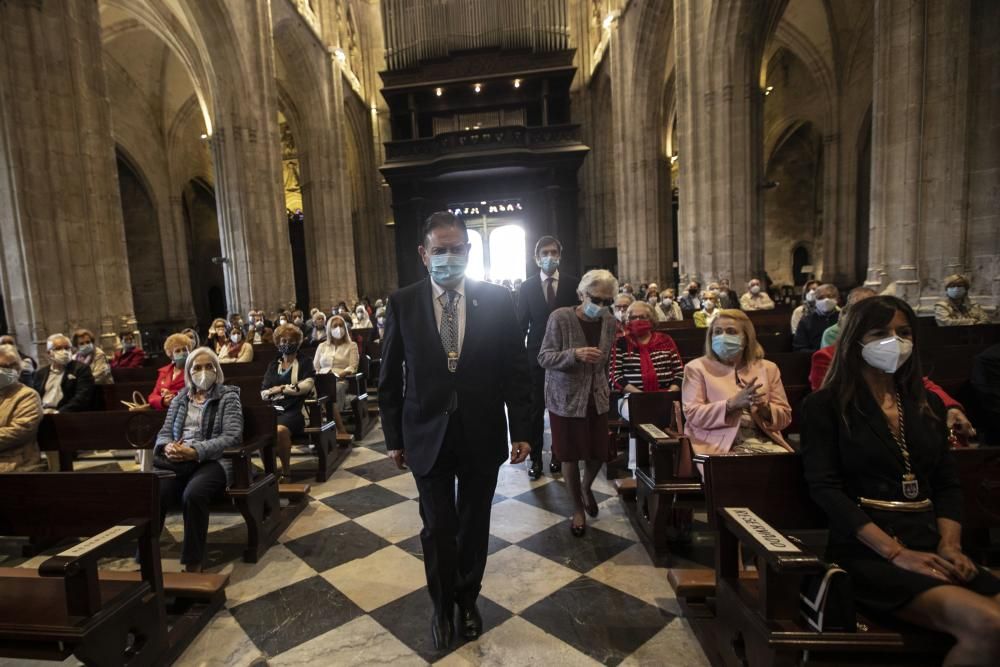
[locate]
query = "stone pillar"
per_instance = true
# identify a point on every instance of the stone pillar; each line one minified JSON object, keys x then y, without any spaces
{"x":642,"y":230}
{"x":720,"y":231}
{"x":64,"y":262}
{"x":246,"y":152}
{"x":927,"y":129}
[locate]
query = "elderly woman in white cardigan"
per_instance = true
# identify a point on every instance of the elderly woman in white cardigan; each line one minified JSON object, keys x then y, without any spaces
{"x":574,"y":354}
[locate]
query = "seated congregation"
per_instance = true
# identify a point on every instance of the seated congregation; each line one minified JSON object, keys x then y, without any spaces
{"x":827,"y":429}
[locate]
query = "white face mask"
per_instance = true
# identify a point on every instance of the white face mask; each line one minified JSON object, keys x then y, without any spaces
{"x":235,"y":338}
{"x":667,"y":301}
{"x":755,"y":289}
{"x":653,"y":300}
{"x":338,"y":332}
{"x":887,"y":354}
{"x":8,"y":376}
{"x":61,"y":357}
{"x":825,"y":306}
{"x":203,"y":379}
{"x":620,"y":315}
{"x":811,"y":296}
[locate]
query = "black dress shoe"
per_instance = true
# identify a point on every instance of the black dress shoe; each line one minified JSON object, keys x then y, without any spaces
{"x":470,"y":623}
{"x":555,"y":467}
{"x":534,"y":470}
{"x":442,"y":631}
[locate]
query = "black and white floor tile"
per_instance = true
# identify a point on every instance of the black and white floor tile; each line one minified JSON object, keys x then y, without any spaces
{"x":345,"y":585}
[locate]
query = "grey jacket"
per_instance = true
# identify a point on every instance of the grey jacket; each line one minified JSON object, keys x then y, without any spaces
{"x":221,"y":426}
{"x":568,"y":382}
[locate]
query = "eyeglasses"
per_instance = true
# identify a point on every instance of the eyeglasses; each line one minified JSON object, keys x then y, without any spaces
{"x":633,"y":318}
{"x":599,"y":301}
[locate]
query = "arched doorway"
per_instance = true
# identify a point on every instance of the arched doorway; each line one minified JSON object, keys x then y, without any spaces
{"x":143,"y":245}
{"x":800,"y":260}
{"x":507,"y":252}
{"x":204,"y":252}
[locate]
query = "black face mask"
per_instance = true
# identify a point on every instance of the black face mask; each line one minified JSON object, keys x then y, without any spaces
{"x":692,"y":292}
{"x":288,"y":348}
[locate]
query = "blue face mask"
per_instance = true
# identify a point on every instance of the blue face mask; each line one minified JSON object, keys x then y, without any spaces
{"x":727,"y":346}
{"x":447,"y":270}
{"x":955,"y":292}
{"x":592,"y":310}
{"x":549,"y":264}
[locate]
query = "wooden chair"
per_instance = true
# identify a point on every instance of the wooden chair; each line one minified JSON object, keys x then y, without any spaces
{"x":68,"y":606}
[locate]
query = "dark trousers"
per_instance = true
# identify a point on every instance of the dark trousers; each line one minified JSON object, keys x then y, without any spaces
{"x":456,"y":532}
{"x":194,"y":487}
{"x":537,"y":415}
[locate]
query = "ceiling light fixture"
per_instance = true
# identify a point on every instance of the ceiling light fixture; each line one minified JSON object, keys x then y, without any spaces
{"x":439,"y":91}
{"x":767,"y":91}
{"x":340,"y":55}
{"x":517,"y":83}
{"x":478,"y":88}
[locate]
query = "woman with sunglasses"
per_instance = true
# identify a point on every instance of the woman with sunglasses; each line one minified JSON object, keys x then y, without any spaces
{"x":574,"y":354}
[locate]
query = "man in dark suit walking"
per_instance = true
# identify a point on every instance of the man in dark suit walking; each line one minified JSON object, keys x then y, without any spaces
{"x":452,"y":360}
{"x":541,"y":294}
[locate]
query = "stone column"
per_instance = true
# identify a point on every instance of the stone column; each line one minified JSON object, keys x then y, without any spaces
{"x":928,"y":120}
{"x":64,"y":262}
{"x":246,"y":152}
{"x":719,"y":136}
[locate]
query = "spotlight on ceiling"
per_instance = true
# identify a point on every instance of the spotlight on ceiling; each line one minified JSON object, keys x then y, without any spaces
{"x":439,"y":91}
{"x":767,"y":91}
{"x":517,"y":83}
{"x":340,"y":55}
{"x":478,"y":88}
{"x":204,"y":136}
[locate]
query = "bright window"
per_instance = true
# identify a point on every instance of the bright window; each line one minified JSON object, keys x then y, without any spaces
{"x":507,"y":253}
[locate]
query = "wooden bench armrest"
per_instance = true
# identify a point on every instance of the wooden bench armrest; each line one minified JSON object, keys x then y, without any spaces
{"x":70,"y":561}
{"x":652,"y":435}
{"x":767,"y":543}
{"x":257,"y":443}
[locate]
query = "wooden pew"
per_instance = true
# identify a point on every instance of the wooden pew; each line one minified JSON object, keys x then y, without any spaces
{"x":255,"y":368}
{"x":331,"y":448}
{"x":68,"y":606}
{"x":752,"y":618}
{"x":255,"y":496}
{"x":667,"y":485}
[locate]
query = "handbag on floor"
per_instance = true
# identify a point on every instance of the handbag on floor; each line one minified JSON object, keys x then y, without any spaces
{"x":826,"y":601}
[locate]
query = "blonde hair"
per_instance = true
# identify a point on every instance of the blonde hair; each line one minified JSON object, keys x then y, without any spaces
{"x":642,"y":304}
{"x":957,"y":278}
{"x":216,"y":322}
{"x":175,"y":341}
{"x":752,"y":351}
{"x":80,"y":333}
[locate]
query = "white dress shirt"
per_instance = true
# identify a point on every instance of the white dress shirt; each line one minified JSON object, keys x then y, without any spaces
{"x":53,"y":389}
{"x":438,"y":292}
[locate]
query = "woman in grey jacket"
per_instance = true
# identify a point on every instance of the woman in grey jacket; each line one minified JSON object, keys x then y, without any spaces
{"x":204,"y":419}
{"x":574,"y":354}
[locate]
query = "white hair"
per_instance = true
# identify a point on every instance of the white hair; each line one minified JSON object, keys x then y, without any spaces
{"x":51,"y":340}
{"x":10,"y":351}
{"x":597,"y":277}
{"x":219,"y":377}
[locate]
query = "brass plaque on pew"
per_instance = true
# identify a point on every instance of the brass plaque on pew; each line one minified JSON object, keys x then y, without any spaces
{"x":652,"y":431}
{"x":766,"y":536}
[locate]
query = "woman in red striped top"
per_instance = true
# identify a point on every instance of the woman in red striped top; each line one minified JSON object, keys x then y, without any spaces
{"x":643,"y":359}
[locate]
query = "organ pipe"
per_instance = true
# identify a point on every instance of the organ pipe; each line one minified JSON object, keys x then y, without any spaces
{"x":416,"y":30}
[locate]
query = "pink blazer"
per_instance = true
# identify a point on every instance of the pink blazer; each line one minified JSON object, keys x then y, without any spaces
{"x":707,"y":386}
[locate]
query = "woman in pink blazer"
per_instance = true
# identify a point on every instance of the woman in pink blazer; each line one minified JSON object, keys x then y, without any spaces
{"x":733,"y":397}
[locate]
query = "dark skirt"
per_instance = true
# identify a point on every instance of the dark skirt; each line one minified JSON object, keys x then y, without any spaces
{"x":580,"y":438}
{"x":293,"y":421}
{"x":882,"y":587}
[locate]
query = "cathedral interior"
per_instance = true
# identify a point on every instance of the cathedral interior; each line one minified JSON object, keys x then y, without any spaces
{"x":169,"y":162}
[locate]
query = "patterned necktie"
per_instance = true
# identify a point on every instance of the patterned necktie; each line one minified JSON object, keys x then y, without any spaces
{"x":449,"y":327}
{"x":550,"y":293}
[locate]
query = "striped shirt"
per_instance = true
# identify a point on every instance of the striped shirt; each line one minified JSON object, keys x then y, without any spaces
{"x":625,"y":367}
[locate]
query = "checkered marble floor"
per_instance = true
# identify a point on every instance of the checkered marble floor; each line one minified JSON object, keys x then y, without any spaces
{"x":345,"y":585}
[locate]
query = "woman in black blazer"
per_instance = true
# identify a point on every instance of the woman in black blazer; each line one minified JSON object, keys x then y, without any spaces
{"x":876,"y":457}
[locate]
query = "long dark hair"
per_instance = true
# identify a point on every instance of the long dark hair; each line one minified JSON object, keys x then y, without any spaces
{"x":845,"y":379}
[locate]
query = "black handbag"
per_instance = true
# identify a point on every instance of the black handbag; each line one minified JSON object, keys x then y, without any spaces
{"x":826,"y":601}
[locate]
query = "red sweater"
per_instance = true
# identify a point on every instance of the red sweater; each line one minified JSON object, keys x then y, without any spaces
{"x":130,"y":359}
{"x":823,"y":357}
{"x":164,"y":381}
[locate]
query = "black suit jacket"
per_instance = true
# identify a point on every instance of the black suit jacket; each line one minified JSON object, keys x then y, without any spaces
{"x":809,"y":334}
{"x":533,"y":311}
{"x":77,"y":387}
{"x":416,"y":388}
